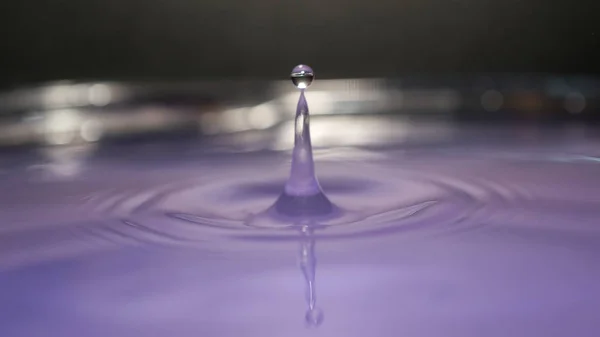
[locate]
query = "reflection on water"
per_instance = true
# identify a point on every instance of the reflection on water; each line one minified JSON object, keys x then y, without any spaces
{"x":63,"y":163}
{"x":308,"y":264}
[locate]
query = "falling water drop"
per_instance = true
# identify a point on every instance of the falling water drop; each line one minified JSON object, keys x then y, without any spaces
{"x":302,"y":195}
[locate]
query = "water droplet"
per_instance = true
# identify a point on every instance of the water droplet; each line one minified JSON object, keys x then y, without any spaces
{"x":302,"y":76}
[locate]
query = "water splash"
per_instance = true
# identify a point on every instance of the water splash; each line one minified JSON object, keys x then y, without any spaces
{"x":302,"y":201}
{"x":302,"y":194}
{"x":391,"y":197}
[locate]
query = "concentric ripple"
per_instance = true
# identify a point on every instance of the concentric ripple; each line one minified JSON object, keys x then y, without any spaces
{"x":370,"y":199}
{"x":216,"y":205}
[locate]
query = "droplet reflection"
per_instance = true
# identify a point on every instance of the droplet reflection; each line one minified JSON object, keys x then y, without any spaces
{"x":308,"y":264}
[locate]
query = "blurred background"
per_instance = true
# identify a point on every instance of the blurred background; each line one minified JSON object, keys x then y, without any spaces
{"x":76,"y":72}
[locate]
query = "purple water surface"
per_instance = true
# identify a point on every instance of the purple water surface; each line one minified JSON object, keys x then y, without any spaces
{"x":505,"y":244}
{"x":393,"y":241}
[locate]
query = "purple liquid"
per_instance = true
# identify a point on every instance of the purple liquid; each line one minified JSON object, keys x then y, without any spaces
{"x":444,"y":241}
{"x":521,"y":263}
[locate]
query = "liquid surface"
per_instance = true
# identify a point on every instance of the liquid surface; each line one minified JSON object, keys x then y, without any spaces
{"x":453,"y":241}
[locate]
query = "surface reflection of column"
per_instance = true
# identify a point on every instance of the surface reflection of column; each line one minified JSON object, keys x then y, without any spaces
{"x":308,"y":264}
